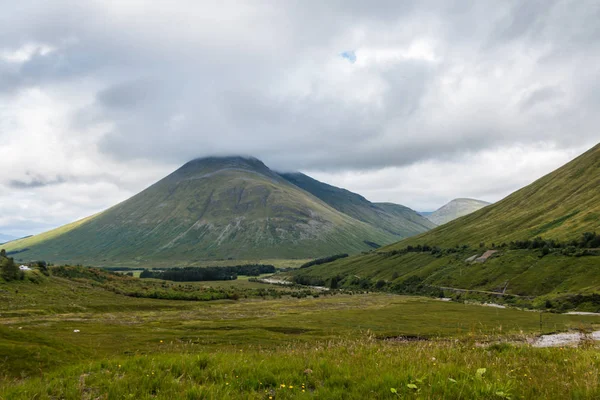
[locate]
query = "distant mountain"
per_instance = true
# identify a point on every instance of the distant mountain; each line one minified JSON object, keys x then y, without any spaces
{"x":210,"y":208}
{"x":455,"y":209}
{"x":396,"y":219}
{"x":6,"y":238}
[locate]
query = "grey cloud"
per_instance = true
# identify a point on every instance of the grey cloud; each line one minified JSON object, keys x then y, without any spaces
{"x":539,"y":96}
{"x":35,"y":182}
{"x":173,"y":81}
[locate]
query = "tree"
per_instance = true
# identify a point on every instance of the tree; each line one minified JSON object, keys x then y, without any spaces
{"x":545,"y":250}
{"x":8,"y":269}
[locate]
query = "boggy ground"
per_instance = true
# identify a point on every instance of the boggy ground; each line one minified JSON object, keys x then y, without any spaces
{"x":341,"y":346}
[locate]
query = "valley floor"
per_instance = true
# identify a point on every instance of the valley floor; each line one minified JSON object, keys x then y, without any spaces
{"x":68,"y":339}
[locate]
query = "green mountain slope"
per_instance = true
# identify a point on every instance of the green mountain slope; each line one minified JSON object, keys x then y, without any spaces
{"x":210,"y":208}
{"x":455,"y":209}
{"x":398,"y":220}
{"x":560,"y":206}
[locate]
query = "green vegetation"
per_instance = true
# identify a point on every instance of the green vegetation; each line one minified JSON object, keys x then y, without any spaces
{"x":323,"y":260}
{"x":71,"y":338}
{"x":194,"y":274}
{"x":560,"y":270}
{"x":523,"y":277}
{"x":128,"y":285}
{"x":9,"y":271}
{"x":229,"y":208}
{"x":339,"y":370}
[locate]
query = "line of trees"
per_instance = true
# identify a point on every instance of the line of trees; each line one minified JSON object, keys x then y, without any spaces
{"x":324,"y":260}
{"x":195,"y":274}
{"x":589,"y":240}
{"x":575,"y":247}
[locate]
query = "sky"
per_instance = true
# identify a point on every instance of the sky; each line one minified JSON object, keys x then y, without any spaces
{"x":414,"y":102}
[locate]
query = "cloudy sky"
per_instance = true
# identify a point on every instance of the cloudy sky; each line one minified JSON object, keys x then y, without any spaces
{"x":414,"y":102}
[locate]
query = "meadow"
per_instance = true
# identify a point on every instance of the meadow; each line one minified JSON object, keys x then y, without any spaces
{"x":73,"y":339}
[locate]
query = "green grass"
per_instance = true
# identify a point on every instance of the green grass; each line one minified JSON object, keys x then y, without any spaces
{"x":358,"y":369}
{"x":151,"y":348}
{"x":520,"y":272}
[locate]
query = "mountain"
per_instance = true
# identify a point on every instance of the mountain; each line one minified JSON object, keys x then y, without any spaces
{"x":398,"y":220}
{"x":561,"y":206}
{"x":6,"y":238}
{"x":455,"y":209}
{"x":210,"y":208}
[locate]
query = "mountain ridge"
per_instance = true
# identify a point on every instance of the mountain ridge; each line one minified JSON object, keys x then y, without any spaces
{"x":454,"y":209}
{"x":394,"y":218}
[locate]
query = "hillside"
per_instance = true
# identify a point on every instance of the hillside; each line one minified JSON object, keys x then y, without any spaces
{"x":561,"y":206}
{"x":396,"y":219}
{"x":455,"y":209}
{"x":211,"y":208}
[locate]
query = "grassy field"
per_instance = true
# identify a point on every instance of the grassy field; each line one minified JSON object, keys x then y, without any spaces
{"x":337,"y":346}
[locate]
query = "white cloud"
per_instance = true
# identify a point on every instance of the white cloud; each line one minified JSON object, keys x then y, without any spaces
{"x":25,"y":52}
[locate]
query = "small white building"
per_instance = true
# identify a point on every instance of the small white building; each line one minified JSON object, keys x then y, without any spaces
{"x":24,"y":268}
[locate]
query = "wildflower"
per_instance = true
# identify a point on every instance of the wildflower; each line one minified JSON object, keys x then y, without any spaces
{"x":291,"y":387}
{"x":226,"y":383}
{"x":161,"y":341}
{"x":119,"y":365}
{"x":74,"y":330}
{"x":270,"y":397}
{"x":302,"y":390}
{"x":282,"y":385}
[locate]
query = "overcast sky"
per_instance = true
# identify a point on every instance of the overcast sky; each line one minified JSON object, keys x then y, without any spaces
{"x":413,"y":102}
